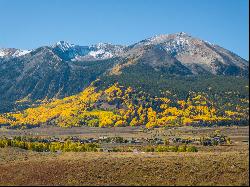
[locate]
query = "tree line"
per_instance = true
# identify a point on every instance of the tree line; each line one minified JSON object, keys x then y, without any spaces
{"x":67,"y":146}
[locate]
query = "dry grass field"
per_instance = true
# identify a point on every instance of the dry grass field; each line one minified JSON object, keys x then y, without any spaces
{"x":226,"y":168}
{"x":216,"y":165}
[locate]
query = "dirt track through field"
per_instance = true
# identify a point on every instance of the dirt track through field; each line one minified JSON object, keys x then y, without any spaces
{"x":229,"y":168}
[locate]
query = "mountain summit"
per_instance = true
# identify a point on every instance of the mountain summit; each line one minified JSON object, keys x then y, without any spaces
{"x":197,"y":55}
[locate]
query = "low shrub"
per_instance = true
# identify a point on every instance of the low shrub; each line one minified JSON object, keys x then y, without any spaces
{"x":192,"y":149}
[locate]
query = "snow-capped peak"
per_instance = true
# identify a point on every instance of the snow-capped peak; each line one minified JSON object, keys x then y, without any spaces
{"x":64,"y":46}
{"x":172,"y":43}
{"x":98,"y":51}
{"x":11,"y":52}
{"x":163,"y":37}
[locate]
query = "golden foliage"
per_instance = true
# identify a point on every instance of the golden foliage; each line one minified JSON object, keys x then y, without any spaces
{"x":125,"y":106}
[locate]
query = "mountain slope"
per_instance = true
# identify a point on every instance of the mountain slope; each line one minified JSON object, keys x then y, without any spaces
{"x":121,"y":106}
{"x":43,"y":74}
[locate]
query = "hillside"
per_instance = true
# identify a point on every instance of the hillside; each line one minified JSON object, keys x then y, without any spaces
{"x":118,"y":105}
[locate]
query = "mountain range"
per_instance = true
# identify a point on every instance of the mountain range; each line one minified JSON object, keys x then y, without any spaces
{"x":63,"y":69}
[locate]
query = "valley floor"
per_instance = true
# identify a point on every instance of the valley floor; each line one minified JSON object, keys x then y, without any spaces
{"x":202,"y":168}
{"x":212,"y":165}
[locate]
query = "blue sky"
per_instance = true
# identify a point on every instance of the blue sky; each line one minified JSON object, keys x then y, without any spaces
{"x":29,"y":24}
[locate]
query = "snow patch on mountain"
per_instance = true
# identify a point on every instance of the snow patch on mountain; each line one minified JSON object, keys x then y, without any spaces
{"x":10,"y":52}
{"x":172,"y":43}
{"x":101,"y":53}
{"x":2,"y":53}
{"x":94,"y":52}
{"x":21,"y":53}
